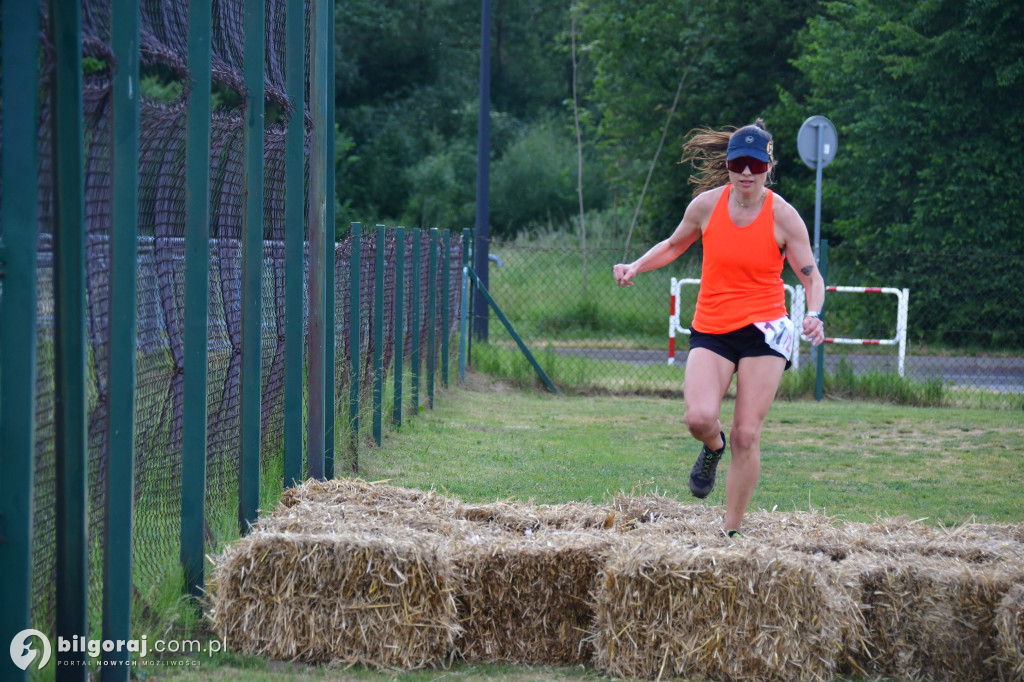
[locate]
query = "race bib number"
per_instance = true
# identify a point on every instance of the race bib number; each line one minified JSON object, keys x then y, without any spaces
{"x":779,"y":335}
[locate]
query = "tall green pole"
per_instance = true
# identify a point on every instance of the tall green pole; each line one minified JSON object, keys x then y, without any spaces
{"x":464,"y":308}
{"x":378,"y":338}
{"x":399,"y":323}
{"x":431,"y":316}
{"x":416,"y":296}
{"x":69,"y":350}
{"x":318,"y":396}
{"x":252,"y":268}
{"x":327,"y":87}
{"x":18,"y":314}
{"x":117,"y":561}
{"x":197,"y":298}
{"x":446,"y":276}
{"x":483,"y":174}
{"x":293,"y":242}
{"x":354,"y":324}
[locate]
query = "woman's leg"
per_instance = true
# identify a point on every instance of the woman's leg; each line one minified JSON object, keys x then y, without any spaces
{"x":708,"y":376}
{"x":757,"y":380}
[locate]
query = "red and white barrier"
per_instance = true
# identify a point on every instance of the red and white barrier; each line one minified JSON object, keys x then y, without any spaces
{"x":798,"y":304}
{"x":675,"y":326}
{"x":900,"y":338}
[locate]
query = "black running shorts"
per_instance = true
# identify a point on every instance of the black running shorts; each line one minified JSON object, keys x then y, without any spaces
{"x":745,"y":342}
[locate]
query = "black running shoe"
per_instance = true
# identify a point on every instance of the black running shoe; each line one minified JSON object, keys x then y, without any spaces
{"x":702,"y":476}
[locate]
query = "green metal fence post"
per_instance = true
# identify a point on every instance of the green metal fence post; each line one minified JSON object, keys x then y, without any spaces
{"x":69,"y":350}
{"x":416,"y":296}
{"x":446,"y":276}
{"x":378,"y":338}
{"x":431,"y":316}
{"x":467,"y":259}
{"x":330,"y":233}
{"x":819,"y":378}
{"x":354,"y":328}
{"x":18,"y":313}
{"x":293,"y":241}
{"x":464,"y":308}
{"x":197,"y":299}
{"x":252,"y":268}
{"x":124,"y":202}
{"x":397,"y":369}
{"x":321,"y":373}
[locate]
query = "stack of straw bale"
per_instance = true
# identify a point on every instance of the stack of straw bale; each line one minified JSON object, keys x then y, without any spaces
{"x":1010,"y":628}
{"x":359,"y":597}
{"x":666,"y":610}
{"x":357,"y":572}
{"x":930,"y":618}
{"x":528,"y":599}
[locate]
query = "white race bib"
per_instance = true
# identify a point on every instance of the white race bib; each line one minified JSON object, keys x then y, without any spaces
{"x":779,"y":335}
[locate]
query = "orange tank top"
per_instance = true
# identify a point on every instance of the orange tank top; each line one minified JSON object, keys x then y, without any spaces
{"x":740,"y":280}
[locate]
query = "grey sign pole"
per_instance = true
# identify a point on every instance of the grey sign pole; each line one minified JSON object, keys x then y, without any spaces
{"x":817,"y":143}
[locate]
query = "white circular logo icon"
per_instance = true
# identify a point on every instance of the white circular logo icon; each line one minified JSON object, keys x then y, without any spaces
{"x":22,"y":652}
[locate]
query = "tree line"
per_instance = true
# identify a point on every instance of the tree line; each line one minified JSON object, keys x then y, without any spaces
{"x":923,"y":192}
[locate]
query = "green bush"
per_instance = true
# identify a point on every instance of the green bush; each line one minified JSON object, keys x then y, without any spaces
{"x":535,"y":181}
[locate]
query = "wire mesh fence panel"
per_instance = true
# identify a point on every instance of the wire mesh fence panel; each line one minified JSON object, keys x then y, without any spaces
{"x":593,"y":335}
{"x":160,"y":362}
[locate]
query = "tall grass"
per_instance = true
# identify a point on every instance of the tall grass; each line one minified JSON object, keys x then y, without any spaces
{"x":582,"y":375}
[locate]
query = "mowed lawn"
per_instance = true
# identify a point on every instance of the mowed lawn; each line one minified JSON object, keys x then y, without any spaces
{"x":853,"y":460}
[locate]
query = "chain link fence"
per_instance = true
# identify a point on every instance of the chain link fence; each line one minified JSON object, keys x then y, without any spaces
{"x":591,"y":335}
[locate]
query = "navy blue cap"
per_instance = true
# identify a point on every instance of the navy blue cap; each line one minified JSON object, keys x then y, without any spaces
{"x":750,"y":141}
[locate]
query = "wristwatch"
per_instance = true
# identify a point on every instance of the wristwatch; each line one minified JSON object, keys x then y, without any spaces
{"x":816,"y":315}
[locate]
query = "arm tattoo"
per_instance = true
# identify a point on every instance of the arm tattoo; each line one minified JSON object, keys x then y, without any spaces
{"x":807,"y":269}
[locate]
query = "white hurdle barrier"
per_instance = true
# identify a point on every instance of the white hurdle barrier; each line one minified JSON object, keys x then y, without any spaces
{"x":674,"y":325}
{"x":798,"y":304}
{"x":899,"y":340}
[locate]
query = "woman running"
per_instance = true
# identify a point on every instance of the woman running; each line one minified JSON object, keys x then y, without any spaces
{"x":740,"y":325}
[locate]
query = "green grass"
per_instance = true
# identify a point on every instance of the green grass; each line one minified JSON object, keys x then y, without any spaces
{"x":582,"y":375}
{"x":855,"y":460}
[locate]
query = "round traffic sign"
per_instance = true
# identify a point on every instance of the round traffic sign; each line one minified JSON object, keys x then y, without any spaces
{"x":817,"y":136}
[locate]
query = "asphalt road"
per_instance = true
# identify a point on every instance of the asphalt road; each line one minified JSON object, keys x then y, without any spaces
{"x":1005,"y":375}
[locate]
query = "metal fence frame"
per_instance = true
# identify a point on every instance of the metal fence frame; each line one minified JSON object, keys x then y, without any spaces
{"x":19,"y":269}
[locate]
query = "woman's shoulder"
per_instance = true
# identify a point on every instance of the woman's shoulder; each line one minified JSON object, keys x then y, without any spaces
{"x":786,"y":216}
{"x":712,"y":195}
{"x":781,"y":207}
{"x":705,"y":201}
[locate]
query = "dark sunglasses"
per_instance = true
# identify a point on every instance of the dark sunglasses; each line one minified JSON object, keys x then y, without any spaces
{"x":738,"y":165}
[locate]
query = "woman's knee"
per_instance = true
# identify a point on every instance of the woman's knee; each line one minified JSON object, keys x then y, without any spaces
{"x":745,"y":437}
{"x":700,"y":422}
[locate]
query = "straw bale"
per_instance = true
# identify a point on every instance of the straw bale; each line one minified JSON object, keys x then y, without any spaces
{"x":356,"y":571}
{"x":740,"y":613}
{"x":319,"y":517}
{"x":527,"y":599}
{"x":1009,"y":621}
{"x":384,"y":601}
{"x":970,"y":543}
{"x":357,"y":493}
{"x":806,"y":532}
{"x":928,"y":617}
{"x":652,"y":508}
{"x":520,"y":517}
